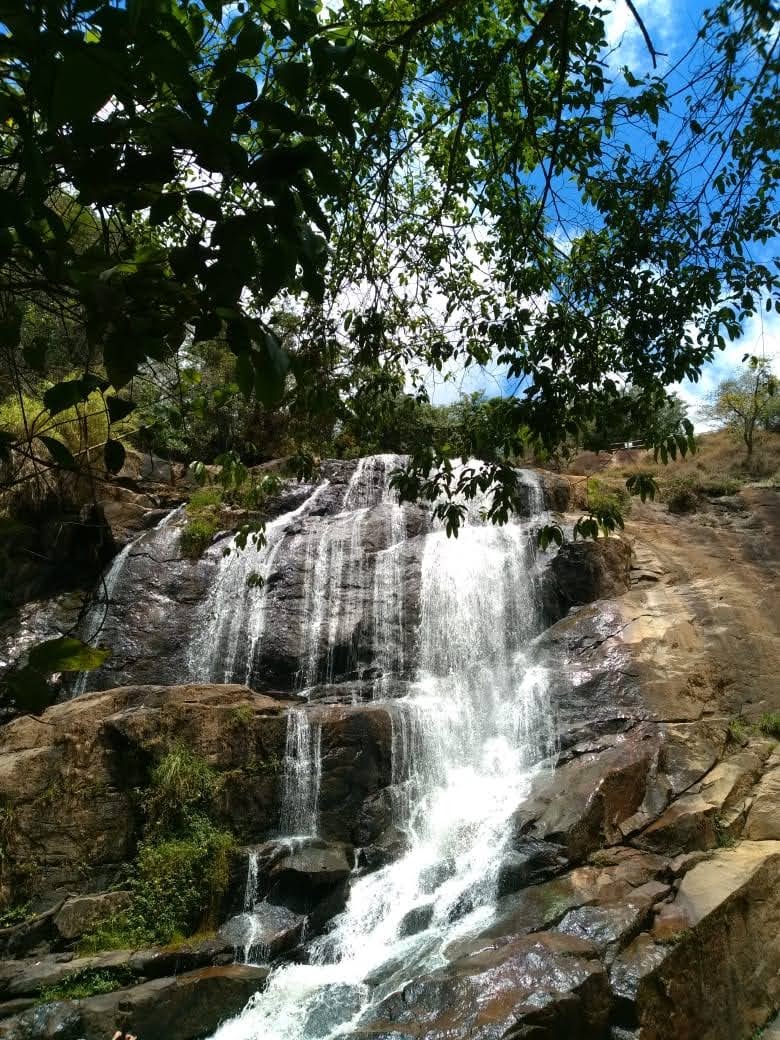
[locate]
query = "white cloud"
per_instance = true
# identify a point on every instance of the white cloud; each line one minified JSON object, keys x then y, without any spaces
{"x":624,"y":36}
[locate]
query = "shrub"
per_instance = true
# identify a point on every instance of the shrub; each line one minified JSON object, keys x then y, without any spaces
{"x":181,"y":871}
{"x":203,"y":521}
{"x":204,"y":497}
{"x":769,"y":724}
{"x":603,"y":497}
{"x":198,"y":534}
{"x":255,"y":494}
{"x":738,"y":730}
{"x":682,"y":494}
{"x":16,"y":914}
{"x":716,"y":486}
{"x":177,"y":887}
{"x":241,"y":716}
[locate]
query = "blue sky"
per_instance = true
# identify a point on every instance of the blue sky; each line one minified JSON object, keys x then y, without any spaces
{"x":672,"y":25}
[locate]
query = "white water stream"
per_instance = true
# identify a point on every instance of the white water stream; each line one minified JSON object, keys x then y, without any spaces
{"x":466,"y":742}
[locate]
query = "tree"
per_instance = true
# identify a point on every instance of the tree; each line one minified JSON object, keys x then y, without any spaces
{"x":746,"y":401}
{"x":635,"y":418}
{"x":402,"y":168}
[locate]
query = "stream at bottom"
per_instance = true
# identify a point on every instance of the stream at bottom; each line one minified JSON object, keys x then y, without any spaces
{"x":466,"y":744}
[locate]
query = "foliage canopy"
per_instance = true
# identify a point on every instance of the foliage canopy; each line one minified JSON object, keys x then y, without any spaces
{"x":348,"y":196}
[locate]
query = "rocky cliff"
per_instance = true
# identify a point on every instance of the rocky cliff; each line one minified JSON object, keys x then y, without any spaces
{"x":632,"y":888}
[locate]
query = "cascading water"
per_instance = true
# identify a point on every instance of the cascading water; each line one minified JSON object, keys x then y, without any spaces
{"x":302,"y":769}
{"x":466,"y":741}
{"x":233,"y":618}
{"x":338,"y":564}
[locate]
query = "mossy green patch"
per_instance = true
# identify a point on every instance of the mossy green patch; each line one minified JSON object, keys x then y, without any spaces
{"x":89,"y":982}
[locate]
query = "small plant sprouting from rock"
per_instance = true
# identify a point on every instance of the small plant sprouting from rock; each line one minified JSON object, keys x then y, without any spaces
{"x":241,"y":716}
{"x":181,"y":785}
{"x":738,"y":730}
{"x":723,"y":836}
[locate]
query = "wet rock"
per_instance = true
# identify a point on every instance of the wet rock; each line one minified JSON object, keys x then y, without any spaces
{"x":57,"y":1021}
{"x":264,"y":933}
{"x":545,"y":986}
{"x":582,"y":572}
{"x":356,"y":764}
{"x":544,"y":906}
{"x":23,"y":977}
{"x":417,"y":920}
{"x":180,"y":1008}
{"x":719,"y":975}
{"x":582,"y":805}
{"x":610,"y":926}
{"x":79,"y":914}
{"x":529,"y":863}
{"x":310,"y":878}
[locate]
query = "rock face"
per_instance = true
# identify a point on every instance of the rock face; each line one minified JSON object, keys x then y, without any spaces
{"x":727,"y":910}
{"x":184,"y":1007}
{"x":69,"y":782}
{"x":635,"y":889}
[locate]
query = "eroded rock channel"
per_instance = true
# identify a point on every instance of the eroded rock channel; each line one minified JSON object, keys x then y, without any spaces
{"x":459,"y":788}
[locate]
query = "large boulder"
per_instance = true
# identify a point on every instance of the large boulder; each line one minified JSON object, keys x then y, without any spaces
{"x":544,"y":986}
{"x":717,"y":973}
{"x":584,"y":571}
{"x":582,"y":805}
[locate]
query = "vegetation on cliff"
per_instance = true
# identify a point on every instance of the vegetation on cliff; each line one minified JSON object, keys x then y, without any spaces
{"x":180,"y":873}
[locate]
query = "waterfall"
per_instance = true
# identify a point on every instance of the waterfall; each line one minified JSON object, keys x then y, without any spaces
{"x":302,"y":771}
{"x":340,"y":574}
{"x":466,"y":742}
{"x":232,"y":620}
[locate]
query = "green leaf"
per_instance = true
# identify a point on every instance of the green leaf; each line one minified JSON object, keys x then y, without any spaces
{"x":83,"y":81}
{"x":164,"y":207}
{"x":341,"y":112}
{"x":271,"y":365}
{"x":66,"y":654}
{"x":59,"y":453}
{"x":250,"y":41}
{"x":64,"y":395}
{"x":204,"y":204}
{"x":114,"y":456}
{"x":366,"y":94}
{"x":293,"y":76}
{"x":30,"y":691}
{"x":119,"y":408}
{"x":245,"y":374}
{"x":237,"y":89}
